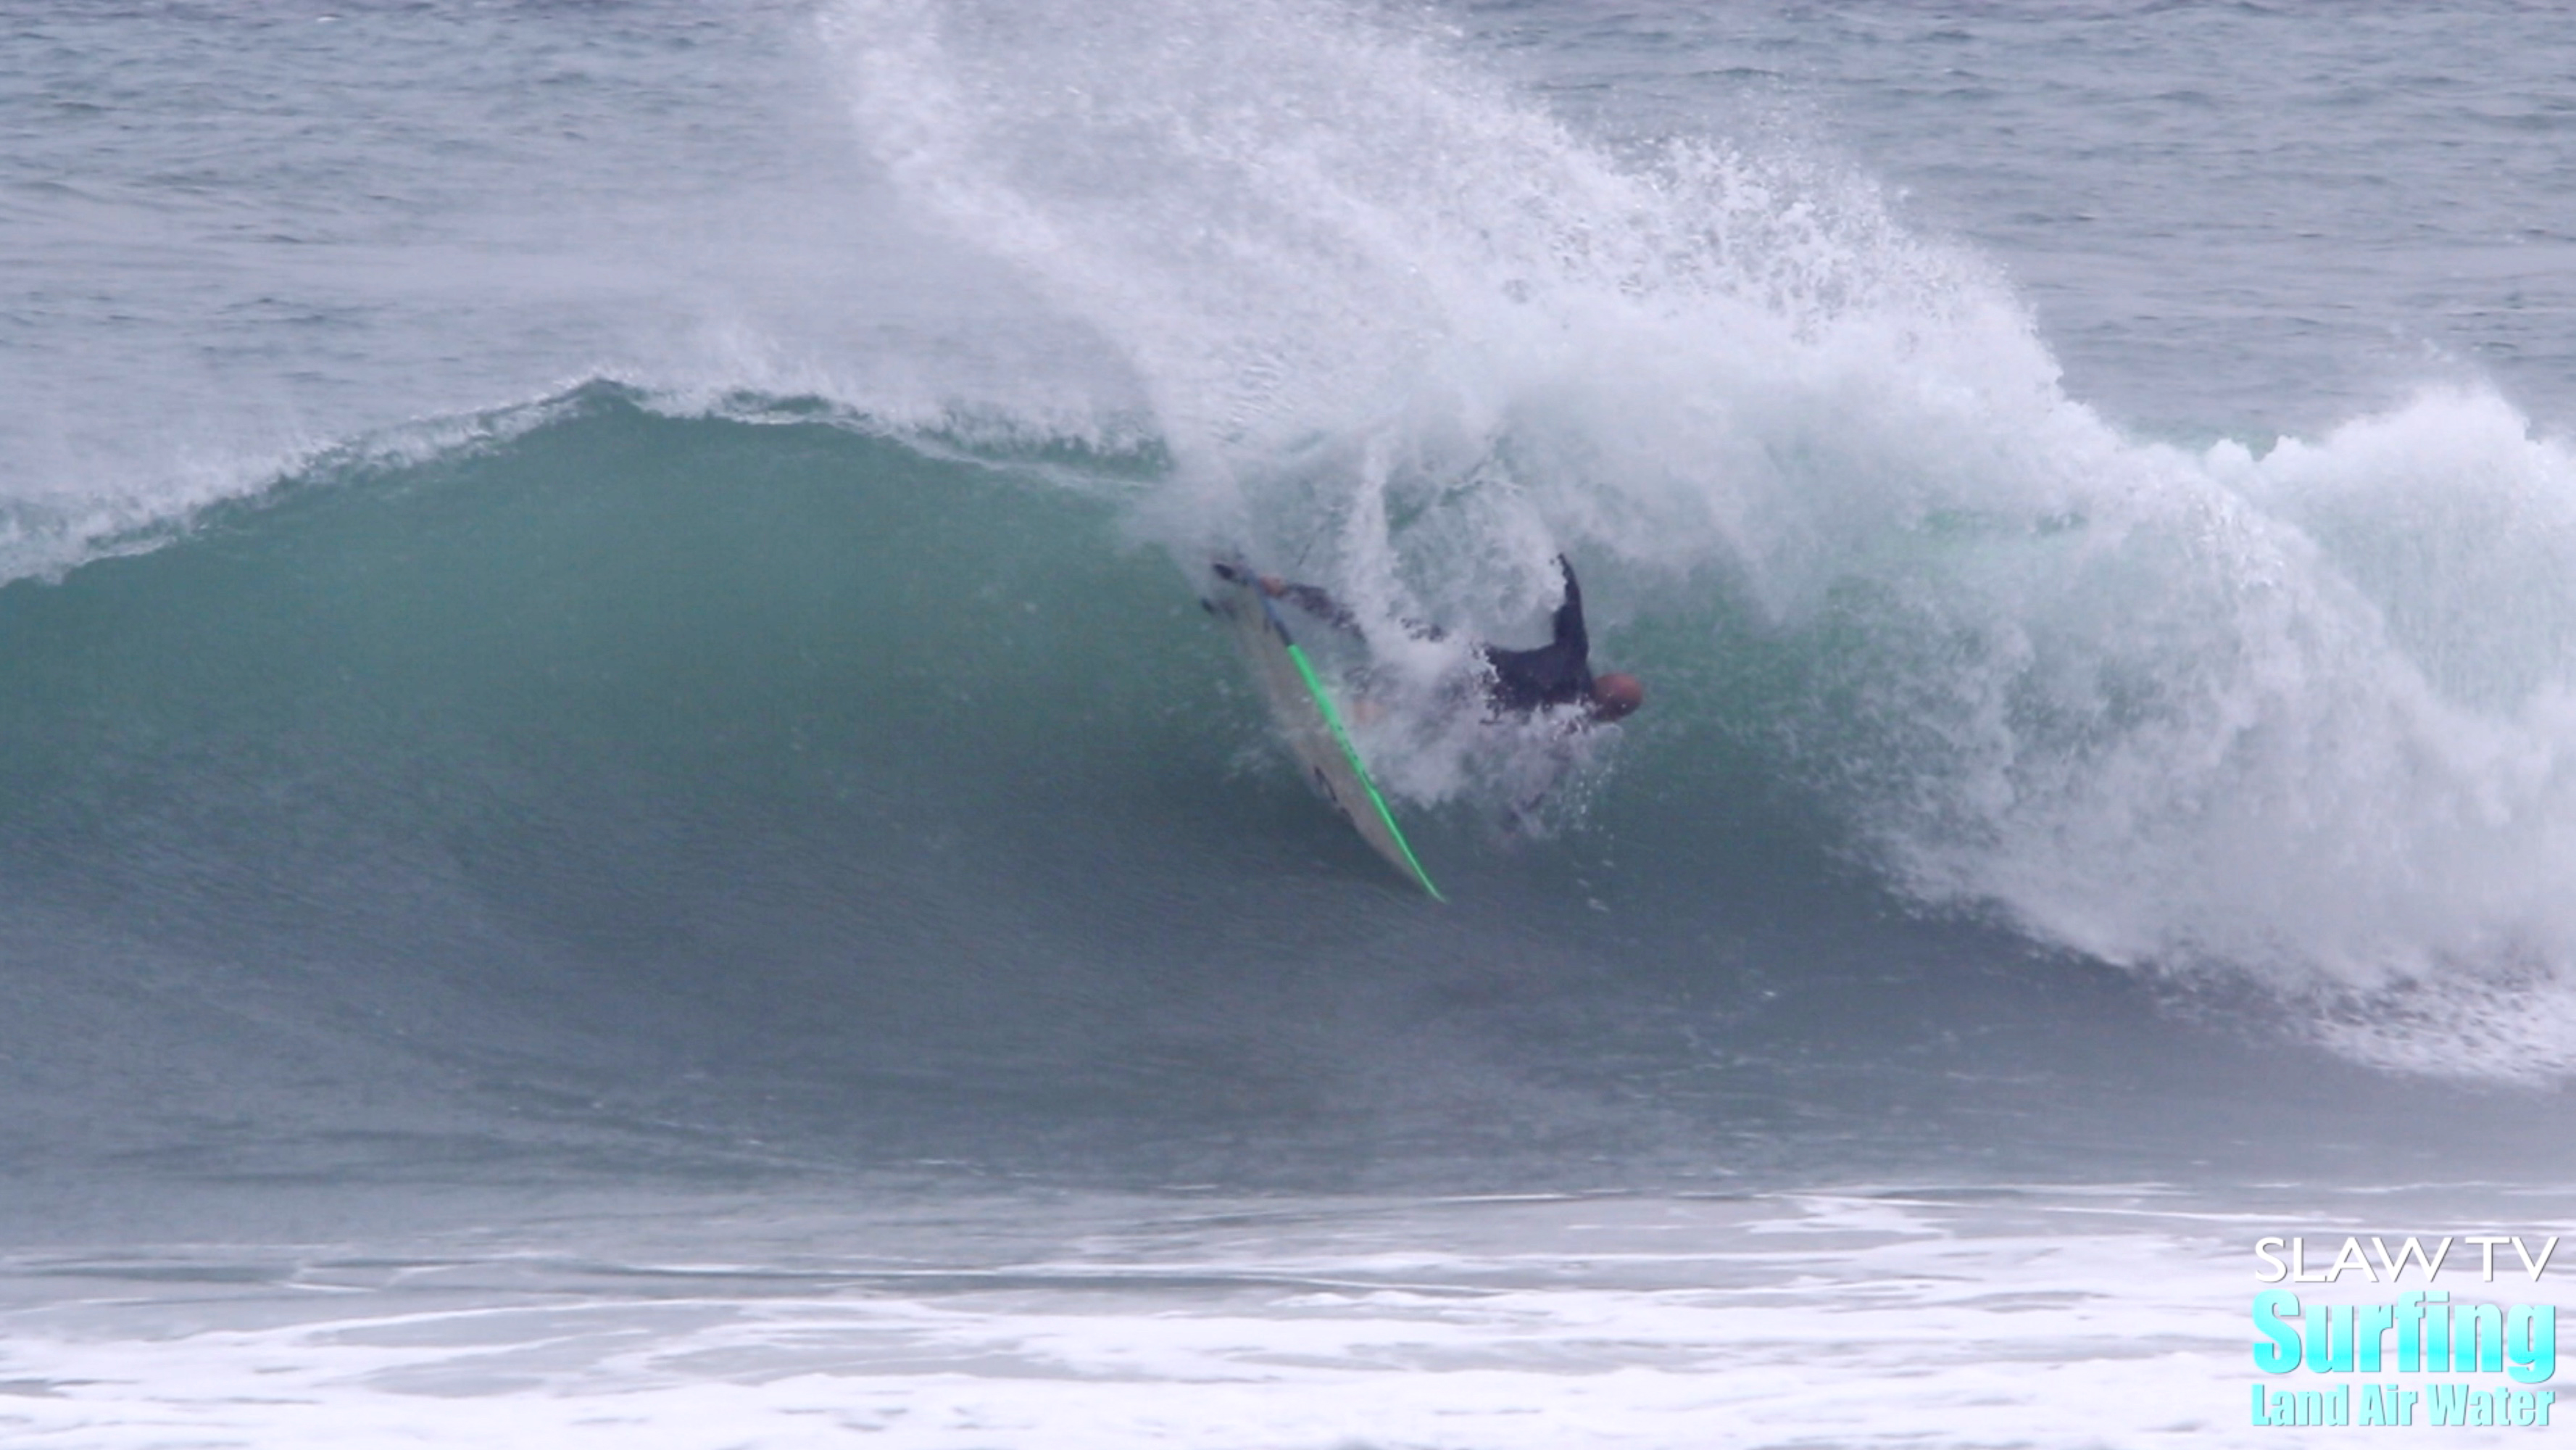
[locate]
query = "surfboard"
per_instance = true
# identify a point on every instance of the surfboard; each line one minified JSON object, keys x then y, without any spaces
{"x":1307,"y":715}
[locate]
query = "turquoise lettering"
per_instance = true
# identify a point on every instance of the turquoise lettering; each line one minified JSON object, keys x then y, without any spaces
{"x":2330,"y":1352}
{"x":2372,"y":1329}
{"x":2531,"y":1343}
{"x":2477,"y":1339}
{"x":2279,"y":1353}
{"x":2449,"y":1404}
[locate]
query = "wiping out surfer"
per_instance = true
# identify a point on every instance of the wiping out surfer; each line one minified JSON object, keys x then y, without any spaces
{"x":1517,"y":681}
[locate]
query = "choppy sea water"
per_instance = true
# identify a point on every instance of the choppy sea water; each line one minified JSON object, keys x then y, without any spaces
{"x":617,"y":821}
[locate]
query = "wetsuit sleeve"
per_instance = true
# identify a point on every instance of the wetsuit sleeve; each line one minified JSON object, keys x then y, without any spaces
{"x":1570,"y":639}
{"x":1558,"y":672}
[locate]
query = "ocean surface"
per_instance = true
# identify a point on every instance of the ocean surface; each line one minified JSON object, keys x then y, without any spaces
{"x":619,"y":824}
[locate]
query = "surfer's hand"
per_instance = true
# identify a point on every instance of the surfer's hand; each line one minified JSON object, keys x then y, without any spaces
{"x":1273,"y":585}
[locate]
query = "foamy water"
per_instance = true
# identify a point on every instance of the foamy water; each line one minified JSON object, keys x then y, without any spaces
{"x":2294,"y":708}
{"x":2103,"y":1318}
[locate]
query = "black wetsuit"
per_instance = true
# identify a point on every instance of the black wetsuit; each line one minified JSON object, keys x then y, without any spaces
{"x":1525,"y":681}
{"x":1558,"y":672}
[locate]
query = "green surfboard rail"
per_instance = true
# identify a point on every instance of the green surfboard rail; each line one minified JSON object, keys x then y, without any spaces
{"x":1342,"y":737}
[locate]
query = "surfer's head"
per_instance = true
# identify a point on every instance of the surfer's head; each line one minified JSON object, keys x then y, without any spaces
{"x":1616,"y":696}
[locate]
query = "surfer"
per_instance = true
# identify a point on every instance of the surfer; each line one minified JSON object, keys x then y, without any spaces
{"x":1519,"y":681}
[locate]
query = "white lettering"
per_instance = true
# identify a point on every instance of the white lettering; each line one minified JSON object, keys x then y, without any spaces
{"x":2486,"y":1249}
{"x":2412,"y":1250}
{"x":2299,"y":1265}
{"x":2545,"y":1251}
{"x":2263,"y":1250}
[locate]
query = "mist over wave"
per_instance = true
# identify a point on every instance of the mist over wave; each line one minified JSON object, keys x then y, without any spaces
{"x":2301,"y":714}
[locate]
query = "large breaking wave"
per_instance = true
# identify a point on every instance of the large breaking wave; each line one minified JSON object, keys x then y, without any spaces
{"x":2300,"y":713}
{"x":2287,"y":713}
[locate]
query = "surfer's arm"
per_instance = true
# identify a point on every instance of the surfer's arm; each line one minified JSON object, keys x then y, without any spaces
{"x":1314,"y":601}
{"x":1334,"y":612}
{"x":1305,"y":596}
{"x":1569,"y":634}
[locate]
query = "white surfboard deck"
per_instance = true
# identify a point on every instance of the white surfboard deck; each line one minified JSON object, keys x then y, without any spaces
{"x":1311,"y":719}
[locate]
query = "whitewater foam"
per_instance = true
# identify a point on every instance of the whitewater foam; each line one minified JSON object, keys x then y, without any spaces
{"x":1881,"y":1319}
{"x":2297,"y":716}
